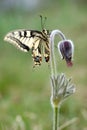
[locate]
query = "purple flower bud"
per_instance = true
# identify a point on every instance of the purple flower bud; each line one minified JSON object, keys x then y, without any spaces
{"x":66,"y":49}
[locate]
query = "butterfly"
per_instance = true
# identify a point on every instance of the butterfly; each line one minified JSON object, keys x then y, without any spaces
{"x":34,"y":40}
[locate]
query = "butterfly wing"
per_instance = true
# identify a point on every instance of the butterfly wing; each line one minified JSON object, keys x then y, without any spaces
{"x":46,"y":54}
{"x":37,"y":55}
{"x":24,"y":39}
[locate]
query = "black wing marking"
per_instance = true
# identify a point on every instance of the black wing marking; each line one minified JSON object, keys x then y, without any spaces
{"x":19,"y":44}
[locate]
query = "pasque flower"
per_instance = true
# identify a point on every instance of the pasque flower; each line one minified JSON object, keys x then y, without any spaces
{"x":66,"y":49}
{"x":60,"y":85}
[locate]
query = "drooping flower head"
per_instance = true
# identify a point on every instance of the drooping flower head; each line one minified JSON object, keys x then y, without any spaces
{"x":66,"y":49}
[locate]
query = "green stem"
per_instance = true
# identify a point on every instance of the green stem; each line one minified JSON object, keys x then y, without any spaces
{"x":56,"y":118}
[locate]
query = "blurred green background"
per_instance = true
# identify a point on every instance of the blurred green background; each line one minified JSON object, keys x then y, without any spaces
{"x":24,"y":91}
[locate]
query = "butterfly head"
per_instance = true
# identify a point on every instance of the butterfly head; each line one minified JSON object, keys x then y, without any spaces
{"x":45,"y":31}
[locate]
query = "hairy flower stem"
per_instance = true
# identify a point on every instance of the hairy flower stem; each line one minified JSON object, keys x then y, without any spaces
{"x":52,"y":57}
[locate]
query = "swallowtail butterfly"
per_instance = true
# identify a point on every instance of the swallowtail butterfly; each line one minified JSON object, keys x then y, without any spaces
{"x":36,"y":41}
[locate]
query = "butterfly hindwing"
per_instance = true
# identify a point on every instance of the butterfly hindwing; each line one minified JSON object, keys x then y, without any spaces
{"x":37,"y":54}
{"x":46,"y":54}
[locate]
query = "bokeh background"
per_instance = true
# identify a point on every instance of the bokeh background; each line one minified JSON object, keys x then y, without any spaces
{"x":24,"y":91}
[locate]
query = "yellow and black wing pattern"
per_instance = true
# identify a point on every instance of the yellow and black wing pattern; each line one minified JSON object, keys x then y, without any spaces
{"x":36,"y":41}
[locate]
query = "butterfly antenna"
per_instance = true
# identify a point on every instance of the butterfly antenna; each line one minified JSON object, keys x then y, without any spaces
{"x":41,"y":21}
{"x":44,"y":21}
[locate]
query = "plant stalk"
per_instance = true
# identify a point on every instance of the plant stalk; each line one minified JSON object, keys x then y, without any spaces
{"x":56,"y":118}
